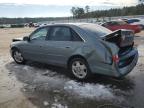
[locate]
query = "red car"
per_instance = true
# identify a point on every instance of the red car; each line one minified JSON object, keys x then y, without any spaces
{"x":116,"y":25}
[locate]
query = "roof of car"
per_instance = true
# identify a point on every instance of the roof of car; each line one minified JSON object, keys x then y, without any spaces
{"x":89,"y":28}
{"x":69,"y":24}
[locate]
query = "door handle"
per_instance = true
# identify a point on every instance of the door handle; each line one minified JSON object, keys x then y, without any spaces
{"x":67,"y":47}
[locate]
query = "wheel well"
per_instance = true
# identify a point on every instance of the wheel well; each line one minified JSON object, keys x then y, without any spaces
{"x":75,"y":56}
{"x":14,"y":48}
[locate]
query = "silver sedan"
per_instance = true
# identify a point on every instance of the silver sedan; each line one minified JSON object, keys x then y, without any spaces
{"x":83,"y":48}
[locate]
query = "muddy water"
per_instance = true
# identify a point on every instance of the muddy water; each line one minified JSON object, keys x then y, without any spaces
{"x":45,"y":86}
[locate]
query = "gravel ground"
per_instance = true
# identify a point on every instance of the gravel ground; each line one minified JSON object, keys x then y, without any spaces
{"x":36,"y":85}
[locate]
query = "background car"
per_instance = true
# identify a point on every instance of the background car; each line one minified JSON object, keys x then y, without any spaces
{"x":81,"y":47}
{"x":116,"y":25}
{"x":136,"y":21}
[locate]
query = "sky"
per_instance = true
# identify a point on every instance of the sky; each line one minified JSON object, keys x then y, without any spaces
{"x":55,"y":8}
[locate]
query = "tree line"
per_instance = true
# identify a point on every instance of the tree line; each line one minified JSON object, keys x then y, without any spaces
{"x":27,"y":20}
{"x":78,"y":12}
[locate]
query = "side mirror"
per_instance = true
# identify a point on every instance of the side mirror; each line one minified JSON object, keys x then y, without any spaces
{"x":26,"y":38}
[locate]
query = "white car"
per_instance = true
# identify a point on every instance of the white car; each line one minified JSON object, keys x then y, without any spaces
{"x":136,"y":21}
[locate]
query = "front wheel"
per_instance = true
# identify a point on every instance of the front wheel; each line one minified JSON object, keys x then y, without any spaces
{"x":79,"y":68}
{"x":17,"y":56}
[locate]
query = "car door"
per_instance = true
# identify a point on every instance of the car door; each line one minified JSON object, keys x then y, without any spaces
{"x":34,"y":49}
{"x":61,"y":43}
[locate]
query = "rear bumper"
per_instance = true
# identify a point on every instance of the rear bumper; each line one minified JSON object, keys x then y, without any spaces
{"x":125,"y":70}
{"x":113,"y":69}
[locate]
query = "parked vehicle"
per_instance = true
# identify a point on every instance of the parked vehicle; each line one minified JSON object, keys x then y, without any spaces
{"x":124,"y":19}
{"x":83,"y":48}
{"x":43,"y":24}
{"x":36,"y":25}
{"x":31,"y":24}
{"x":116,"y":25}
{"x":136,"y":21}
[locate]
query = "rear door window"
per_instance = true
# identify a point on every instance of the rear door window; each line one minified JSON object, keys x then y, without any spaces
{"x":75,"y":36}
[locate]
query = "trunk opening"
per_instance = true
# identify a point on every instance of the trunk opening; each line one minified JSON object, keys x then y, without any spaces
{"x":124,"y":39}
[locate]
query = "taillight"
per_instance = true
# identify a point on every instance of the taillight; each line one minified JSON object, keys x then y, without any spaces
{"x":115,"y":58}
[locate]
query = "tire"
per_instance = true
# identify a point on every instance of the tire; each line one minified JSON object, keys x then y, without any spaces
{"x":17,"y":56}
{"x":79,"y":69}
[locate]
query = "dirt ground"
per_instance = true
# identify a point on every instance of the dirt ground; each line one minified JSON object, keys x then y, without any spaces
{"x":10,"y":94}
{"x":37,"y":85}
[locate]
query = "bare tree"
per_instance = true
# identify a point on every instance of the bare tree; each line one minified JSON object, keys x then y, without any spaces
{"x":73,"y":11}
{"x":87,"y":8}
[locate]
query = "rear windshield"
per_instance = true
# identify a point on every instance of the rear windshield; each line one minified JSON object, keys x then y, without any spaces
{"x":95,"y":29}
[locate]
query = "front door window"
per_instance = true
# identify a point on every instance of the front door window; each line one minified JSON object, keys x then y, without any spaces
{"x":40,"y":34}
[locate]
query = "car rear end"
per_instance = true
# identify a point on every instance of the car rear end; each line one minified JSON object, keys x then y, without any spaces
{"x":118,"y":55}
{"x":127,"y":56}
{"x":127,"y":61}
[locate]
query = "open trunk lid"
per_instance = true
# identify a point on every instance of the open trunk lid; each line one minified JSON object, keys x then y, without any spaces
{"x":122,"y":38}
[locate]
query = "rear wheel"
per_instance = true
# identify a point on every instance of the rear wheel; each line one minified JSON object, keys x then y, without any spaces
{"x":79,"y":68}
{"x":17,"y":56}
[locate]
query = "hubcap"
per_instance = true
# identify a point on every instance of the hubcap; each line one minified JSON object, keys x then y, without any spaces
{"x":18,"y":56}
{"x":79,"y":69}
